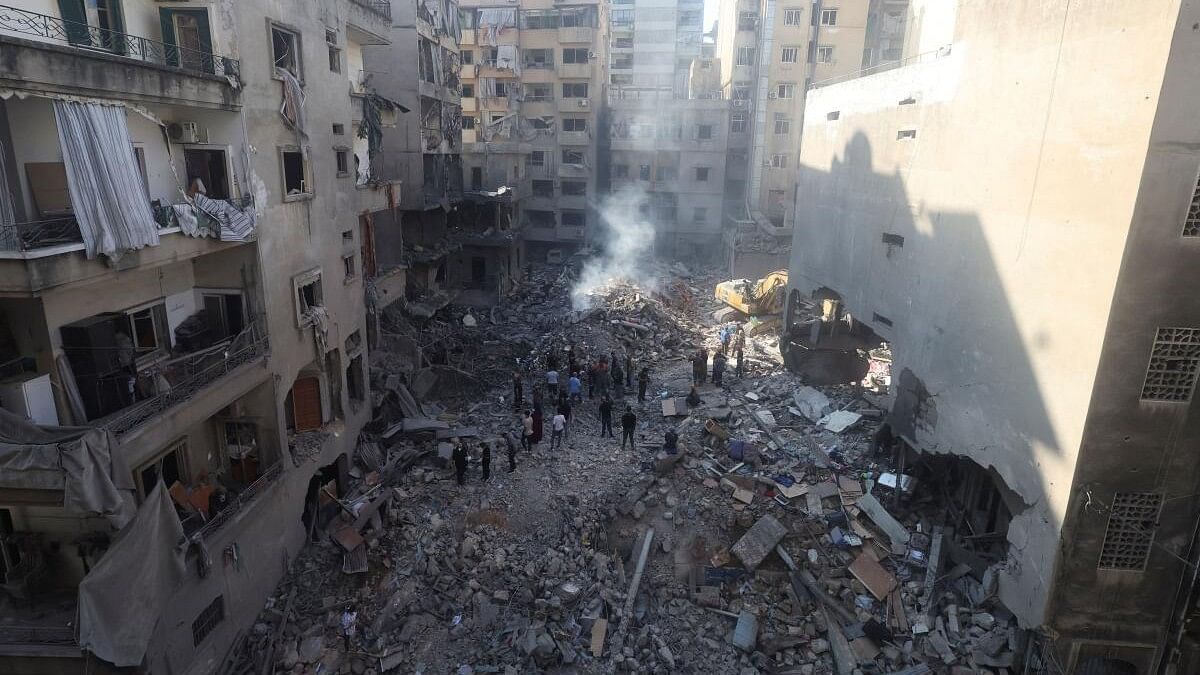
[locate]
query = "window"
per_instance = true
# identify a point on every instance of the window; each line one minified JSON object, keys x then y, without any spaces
{"x":1132,"y":521}
{"x":355,"y":380}
{"x":906,"y":134}
{"x":776,"y":203}
{"x":644,"y":172}
{"x":574,"y":124}
{"x":790,"y":55}
{"x":704,"y":132}
{"x":343,"y":162}
{"x":575,"y":55}
{"x":666,"y":173}
{"x":468,"y":57}
{"x":622,"y":61}
{"x":893,"y":239}
{"x":308,"y":295}
{"x":737,"y":123}
{"x":541,"y":218}
{"x":538,"y":122}
{"x":335,"y":54}
{"x":150,"y":332}
{"x":347,"y":237}
{"x":783,"y":124}
{"x":208,"y":619}
{"x":574,"y":188}
{"x":476,"y":178}
{"x":168,"y":466}
{"x":574,"y":89}
{"x":285,"y":49}
{"x":881,"y":319}
{"x":572,"y":156}
{"x":468,"y":122}
{"x":833,"y":115}
{"x":702,"y":174}
{"x":700,"y":215}
{"x":295,"y":173}
{"x":538,"y":92}
{"x":339,"y":129}
{"x":539,"y":58}
{"x":745,"y":56}
{"x":539,"y":19}
{"x":468,"y":91}
{"x":785,"y":90}
{"x":501,"y":89}
{"x":779,"y":161}
{"x":580,"y":17}
{"x":1191,"y":223}
{"x":747,"y":20}
{"x":620,"y":171}
{"x":537,"y":158}
{"x":623,"y":43}
{"x":574,"y":218}
{"x":543,"y":188}
{"x":829,"y":17}
{"x":349,"y":267}
{"x":1174,"y":363}
{"x":793,"y":17}
{"x":825,"y":54}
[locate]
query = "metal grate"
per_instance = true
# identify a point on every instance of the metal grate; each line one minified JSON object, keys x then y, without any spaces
{"x":1174,"y":363}
{"x":1131,"y":524}
{"x":1191,"y":224}
{"x":208,"y":619}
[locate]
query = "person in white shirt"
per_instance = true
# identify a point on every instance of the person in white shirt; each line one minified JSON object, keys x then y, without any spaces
{"x":558,"y":424}
{"x":552,"y":383}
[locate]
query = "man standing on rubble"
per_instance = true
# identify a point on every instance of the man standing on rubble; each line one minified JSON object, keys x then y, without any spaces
{"x":552,"y":383}
{"x":510,"y":447}
{"x":618,"y":380}
{"x":485,"y":459}
{"x":703,"y":364}
{"x":564,"y":409}
{"x":643,"y":382}
{"x":557,"y":425}
{"x":527,"y":432}
{"x":718,"y":367}
{"x":628,"y":369}
{"x":697,"y":369}
{"x":603,"y":379}
{"x":628,"y":424}
{"x":575,"y":388}
{"x":518,"y":390}
{"x":459,"y":457}
{"x":606,"y":407}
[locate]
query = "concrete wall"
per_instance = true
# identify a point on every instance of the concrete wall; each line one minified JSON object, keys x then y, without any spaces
{"x":995,"y":311}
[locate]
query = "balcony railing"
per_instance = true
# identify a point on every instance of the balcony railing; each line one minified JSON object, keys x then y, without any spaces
{"x":381,"y":7}
{"x":239,"y":502}
{"x":25,"y":22}
{"x":191,"y":373}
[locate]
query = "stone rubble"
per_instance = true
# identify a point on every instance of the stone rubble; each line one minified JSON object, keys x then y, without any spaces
{"x":749,"y":567}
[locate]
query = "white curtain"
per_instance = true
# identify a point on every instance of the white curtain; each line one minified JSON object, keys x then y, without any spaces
{"x":106,"y":189}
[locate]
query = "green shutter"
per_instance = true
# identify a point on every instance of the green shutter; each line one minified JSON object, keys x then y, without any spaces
{"x":173,"y":57}
{"x":165,"y":19}
{"x":117,"y":37}
{"x":75,"y":22}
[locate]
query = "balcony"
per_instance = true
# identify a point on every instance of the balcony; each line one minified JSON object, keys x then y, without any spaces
{"x":569,"y":105}
{"x":470,"y":104}
{"x":76,"y":58}
{"x":574,"y":137}
{"x":575,"y":70}
{"x":382,"y":8}
{"x":574,"y":170}
{"x":579,"y":202}
{"x":576,"y":35}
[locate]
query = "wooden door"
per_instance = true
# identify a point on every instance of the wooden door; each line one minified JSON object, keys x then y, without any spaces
{"x":306,"y":403}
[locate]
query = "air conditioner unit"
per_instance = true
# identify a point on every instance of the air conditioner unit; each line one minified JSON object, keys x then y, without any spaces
{"x":771,"y":96}
{"x":184,"y":132}
{"x":591,"y":55}
{"x":583,"y":103}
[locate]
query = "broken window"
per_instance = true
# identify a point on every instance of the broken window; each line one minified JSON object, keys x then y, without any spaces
{"x":285,"y":49}
{"x":210,"y":617}
{"x":349,"y":267}
{"x":1132,"y":521}
{"x":575,"y":188}
{"x":241,"y":449}
{"x":741,"y":92}
{"x":538,"y":92}
{"x":150,"y":332}
{"x":572,"y":156}
{"x":168,"y":466}
{"x":342,"y":158}
{"x":1174,"y":363}
{"x":335,"y":54}
{"x":574,"y":218}
{"x":540,"y":218}
{"x":574,"y":89}
{"x":294,"y":168}
{"x":468,"y":122}
{"x":543,"y":188}
{"x":747,"y":20}
{"x":355,"y":381}
{"x":308,"y":295}
{"x":224,"y":313}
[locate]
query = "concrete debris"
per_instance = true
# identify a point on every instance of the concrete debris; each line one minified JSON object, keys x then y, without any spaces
{"x":773,"y":531}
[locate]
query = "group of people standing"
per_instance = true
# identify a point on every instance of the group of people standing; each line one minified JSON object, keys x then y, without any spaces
{"x":733,"y":341}
{"x":460,"y":457}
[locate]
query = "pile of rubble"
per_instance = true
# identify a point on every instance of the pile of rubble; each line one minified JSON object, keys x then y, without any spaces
{"x":774,"y":538}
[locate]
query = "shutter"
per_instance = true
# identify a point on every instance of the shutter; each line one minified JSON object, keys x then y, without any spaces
{"x":166,"y":18}
{"x":205,"y":39}
{"x":116,"y":40}
{"x":306,"y":403}
{"x":75,"y":22}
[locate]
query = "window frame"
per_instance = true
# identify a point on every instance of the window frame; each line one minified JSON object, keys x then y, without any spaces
{"x":575,"y":121}
{"x":829,"y":16}
{"x":740,"y":58}
{"x":793,"y":51}
{"x":342,"y":161}
{"x":790,"y":12}
{"x":789,"y":87}
{"x":306,"y":170}
{"x":824,"y":54}
{"x":297,"y":44}
{"x":572,"y":88}
{"x":703,"y":177}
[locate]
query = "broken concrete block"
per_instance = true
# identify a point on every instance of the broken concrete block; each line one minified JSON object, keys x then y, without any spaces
{"x":812,"y":404}
{"x":882,"y":519}
{"x":839,"y":421}
{"x":759,"y":541}
{"x":743,"y":496}
{"x":745,"y":633}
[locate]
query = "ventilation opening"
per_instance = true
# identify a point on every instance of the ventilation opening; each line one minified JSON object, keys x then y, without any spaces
{"x":906,"y":133}
{"x":893,"y":239}
{"x":879,"y":318}
{"x":833,"y":115}
{"x":908,"y":101}
{"x":1132,"y":521}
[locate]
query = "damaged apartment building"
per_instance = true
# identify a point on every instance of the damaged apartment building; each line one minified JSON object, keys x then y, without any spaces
{"x":770,"y":53}
{"x":667,"y":131}
{"x":1022,"y":251}
{"x":532,"y":78}
{"x":183,"y":248}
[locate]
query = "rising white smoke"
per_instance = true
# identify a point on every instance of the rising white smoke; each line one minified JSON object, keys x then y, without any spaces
{"x":626,"y":241}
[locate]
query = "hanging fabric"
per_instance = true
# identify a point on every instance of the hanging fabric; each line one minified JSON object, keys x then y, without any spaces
{"x":292,"y":107}
{"x":506,"y":57}
{"x":107,"y":196}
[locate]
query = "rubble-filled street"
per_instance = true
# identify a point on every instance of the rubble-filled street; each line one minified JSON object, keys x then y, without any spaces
{"x":776,"y":537}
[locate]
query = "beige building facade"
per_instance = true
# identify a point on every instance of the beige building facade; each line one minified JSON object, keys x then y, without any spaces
{"x":182,"y":283}
{"x":1031,"y":300}
{"x":532,"y":78}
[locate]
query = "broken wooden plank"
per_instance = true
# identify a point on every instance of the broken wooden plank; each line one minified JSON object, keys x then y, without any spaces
{"x":878,"y":581}
{"x":599,"y":631}
{"x":871,"y":507}
{"x":637,"y":572}
{"x":896,"y":606}
{"x":759,"y":541}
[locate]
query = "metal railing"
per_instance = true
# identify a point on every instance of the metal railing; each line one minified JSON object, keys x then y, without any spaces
{"x":191,"y":373}
{"x":381,"y":7}
{"x":240,"y":501}
{"x":923,"y":57}
{"x":25,"y":22}
{"x":36,"y":234}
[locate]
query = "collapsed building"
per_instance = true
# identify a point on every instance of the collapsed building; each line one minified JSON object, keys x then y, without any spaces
{"x":1018,"y":249}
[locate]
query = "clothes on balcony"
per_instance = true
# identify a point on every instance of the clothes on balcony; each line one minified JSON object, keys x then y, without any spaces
{"x":141,"y":570}
{"x":236,"y":224}
{"x":494,"y":20}
{"x":107,"y":195}
{"x":507,"y":57}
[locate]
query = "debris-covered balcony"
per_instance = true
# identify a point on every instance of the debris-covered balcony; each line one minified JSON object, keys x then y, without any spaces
{"x":84,"y":185}
{"x":68,"y":49}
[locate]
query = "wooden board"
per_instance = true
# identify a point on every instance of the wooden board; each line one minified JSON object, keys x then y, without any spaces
{"x":599,"y":631}
{"x":872,"y":575}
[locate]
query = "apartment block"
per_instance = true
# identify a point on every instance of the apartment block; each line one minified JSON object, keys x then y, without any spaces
{"x":184,"y":200}
{"x":532,"y":77}
{"x":1021,"y":248}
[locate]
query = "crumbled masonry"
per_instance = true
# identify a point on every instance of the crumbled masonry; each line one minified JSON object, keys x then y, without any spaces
{"x":593,"y":559}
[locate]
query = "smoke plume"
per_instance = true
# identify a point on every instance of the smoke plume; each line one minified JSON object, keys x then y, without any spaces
{"x":626,"y":241}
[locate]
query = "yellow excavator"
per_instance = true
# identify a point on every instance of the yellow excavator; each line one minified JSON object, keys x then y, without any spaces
{"x":754,"y":298}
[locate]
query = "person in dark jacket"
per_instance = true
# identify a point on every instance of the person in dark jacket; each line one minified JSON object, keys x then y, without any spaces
{"x":628,"y":424}
{"x":718,"y":368}
{"x":459,"y":457}
{"x":485,"y":459}
{"x":511,"y":447}
{"x":606,"y":407}
{"x":671,"y":442}
{"x":518,"y":390}
{"x":643,"y":382}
